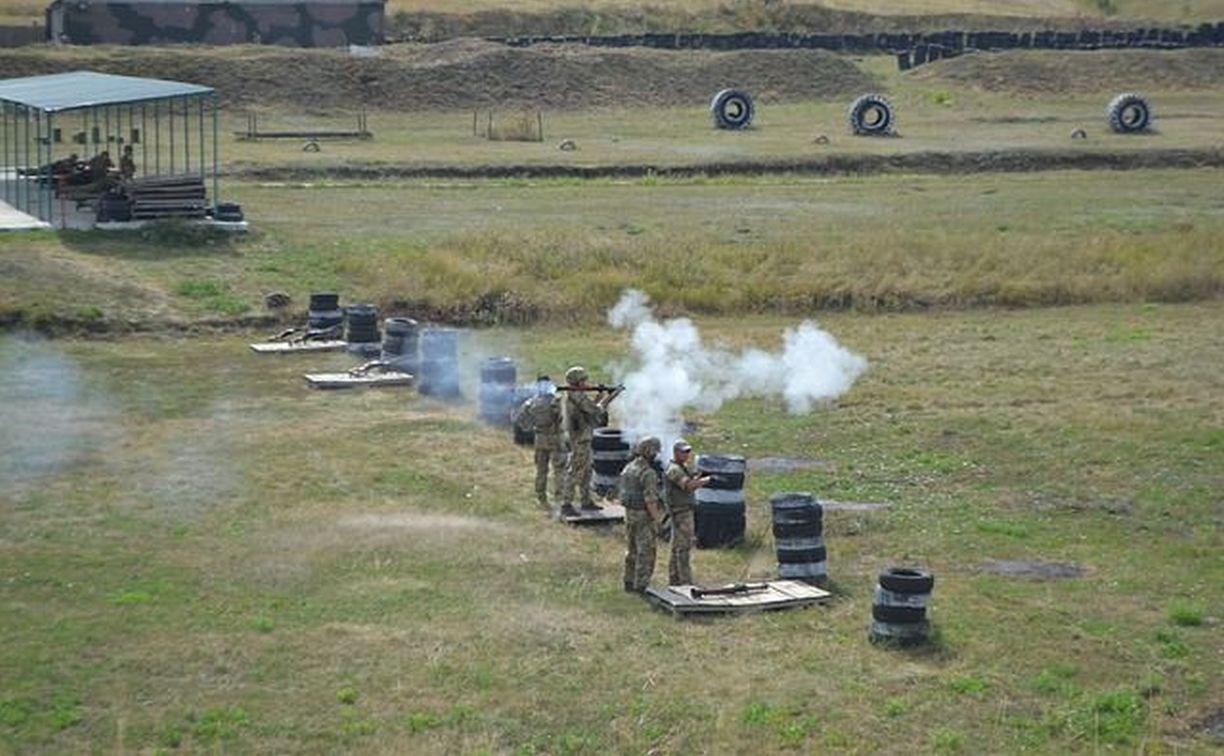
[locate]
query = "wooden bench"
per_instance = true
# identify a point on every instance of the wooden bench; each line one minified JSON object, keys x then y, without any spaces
{"x":168,"y":197}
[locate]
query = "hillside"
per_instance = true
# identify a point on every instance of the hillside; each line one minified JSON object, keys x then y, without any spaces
{"x":1032,"y":72}
{"x":465,"y":73}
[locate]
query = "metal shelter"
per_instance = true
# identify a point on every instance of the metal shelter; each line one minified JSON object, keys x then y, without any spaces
{"x":171,"y":126}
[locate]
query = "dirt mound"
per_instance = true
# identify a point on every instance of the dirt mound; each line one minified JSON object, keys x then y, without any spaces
{"x":1072,"y":72}
{"x":467,"y":74}
{"x":790,"y":17}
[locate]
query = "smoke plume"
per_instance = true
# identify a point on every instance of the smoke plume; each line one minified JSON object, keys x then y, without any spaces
{"x":672,"y":369}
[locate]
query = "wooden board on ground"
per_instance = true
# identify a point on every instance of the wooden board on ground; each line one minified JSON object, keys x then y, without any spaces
{"x":775,"y":594}
{"x":607,"y":514}
{"x":285,"y":347}
{"x":347,"y":380}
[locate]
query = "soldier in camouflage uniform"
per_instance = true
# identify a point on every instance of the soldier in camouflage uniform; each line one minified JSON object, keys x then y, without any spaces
{"x":639,"y":494}
{"x":541,"y":414}
{"x":680,"y":484}
{"x":581,"y":415}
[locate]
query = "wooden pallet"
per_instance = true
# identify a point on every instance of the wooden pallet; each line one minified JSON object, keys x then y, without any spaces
{"x":347,"y":380}
{"x":775,"y":594}
{"x":607,"y":514}
{"x":285,"y":347}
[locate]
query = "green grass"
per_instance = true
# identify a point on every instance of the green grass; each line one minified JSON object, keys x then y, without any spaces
{"x":202,"y":554}
{"x":529,"y":251}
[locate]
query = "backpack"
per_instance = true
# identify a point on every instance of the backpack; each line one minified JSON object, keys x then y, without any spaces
{"x":540,"y":414}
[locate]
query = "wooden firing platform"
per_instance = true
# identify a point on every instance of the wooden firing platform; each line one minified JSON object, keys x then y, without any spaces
{"x":347,"y":380}
{"x":775,"y":594}
{"x":284,"y":347}
{"x":607,"y":514}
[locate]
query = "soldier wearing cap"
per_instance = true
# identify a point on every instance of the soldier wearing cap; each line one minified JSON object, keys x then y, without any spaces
{"x":679,"y":497}
{"x":639,"y":494}
{"x":581,"y":415}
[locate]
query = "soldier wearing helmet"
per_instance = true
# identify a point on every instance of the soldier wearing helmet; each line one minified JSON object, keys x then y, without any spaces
{"x":580,"y":416}
{"x":639,"y":494}
{"x":541,"y":415}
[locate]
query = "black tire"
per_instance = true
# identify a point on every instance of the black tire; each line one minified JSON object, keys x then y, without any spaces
{"x":726,"y":482}
{"x":608,"y":439}
{"x":732,"y":109}
{"x":499,"y":370}
{"x":326,"y":301}
{"x":802,"y":556}
{"x":906,"y":580}
{"x":898,"y":614}
{"x":798,"y":529}
{"x":871,"y":115}
{"x":1129,"y":113}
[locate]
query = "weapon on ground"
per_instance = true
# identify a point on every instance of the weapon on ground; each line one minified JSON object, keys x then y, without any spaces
{"x":368,"y":367}
{"x":284,"y":334}
{"x":319,"y":334}
{"x":599,"y":387}
{"x":730,"y":590}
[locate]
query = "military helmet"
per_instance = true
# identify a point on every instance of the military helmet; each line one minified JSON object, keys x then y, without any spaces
{"x":648,"y":447}
{"x":575,"y":375}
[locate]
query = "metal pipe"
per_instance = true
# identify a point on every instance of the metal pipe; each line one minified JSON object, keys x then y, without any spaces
{"x":4,"y":108}
{"x":170,"y":110}
{"x":186,"y":135}
{"x":157,"y":136}
{"x":200,"y":114}
{"x":216,"y":111}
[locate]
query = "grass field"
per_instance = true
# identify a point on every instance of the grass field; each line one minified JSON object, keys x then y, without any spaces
{"x":200,"y":554}
{"x":551,"y":250}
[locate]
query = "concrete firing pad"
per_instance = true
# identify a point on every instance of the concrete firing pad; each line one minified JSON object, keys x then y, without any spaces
{"x":776,"y":594}
{"x":284,"y":347}
{"x":347,"y":380}
{"x":607,"y":514}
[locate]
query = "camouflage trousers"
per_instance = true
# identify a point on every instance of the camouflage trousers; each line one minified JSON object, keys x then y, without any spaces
{"x":679,"y":567}
{"x":543,"y":459}
{"x":578,"y":473}
{"x":639,"y":549}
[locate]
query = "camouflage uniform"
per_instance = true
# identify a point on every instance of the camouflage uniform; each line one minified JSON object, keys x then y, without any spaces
{"x":680,"y":504}
{"x":638,"y":483}
{"x":583,"y":415}
{"x":542,"y":415}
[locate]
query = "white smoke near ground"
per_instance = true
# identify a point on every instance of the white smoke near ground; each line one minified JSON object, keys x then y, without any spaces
{"x":50,"y":418}
{"x":672,"y":369}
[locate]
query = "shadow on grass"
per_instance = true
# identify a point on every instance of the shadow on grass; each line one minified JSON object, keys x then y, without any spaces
{"x":157,"y":241}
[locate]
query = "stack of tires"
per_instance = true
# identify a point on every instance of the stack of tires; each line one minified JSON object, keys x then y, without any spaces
{"x":439,"y":373}
{"x":720,"y":507}
{"x":899,"y":606}
{"x":798,"y":530}
{"x":497,"y":378}
{"x":399,"y":344}
{"x":610,"y":453}
{"x":324,"y":311}
{"x":362,"y":331}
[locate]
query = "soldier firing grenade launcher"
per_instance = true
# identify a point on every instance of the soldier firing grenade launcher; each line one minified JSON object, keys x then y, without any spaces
{"x":604,"y":388}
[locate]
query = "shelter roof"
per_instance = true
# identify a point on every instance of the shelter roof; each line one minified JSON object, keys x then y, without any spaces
{"x":88,"y":89}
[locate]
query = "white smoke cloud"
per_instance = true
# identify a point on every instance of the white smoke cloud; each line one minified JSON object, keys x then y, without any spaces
{"x":672,"y":369}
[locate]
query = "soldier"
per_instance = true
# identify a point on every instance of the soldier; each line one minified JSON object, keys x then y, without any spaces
{"x":581,"y":415}
{"x":678,"y":495}
{"x":127,"y":164}
{"x":639,"y":494}
{"x":541,"y":414}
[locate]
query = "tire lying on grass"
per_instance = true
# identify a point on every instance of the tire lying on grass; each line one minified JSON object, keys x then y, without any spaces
{"x":1129,"y":113}
{"x":871,"y":115}
{"x":732,"y":109}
